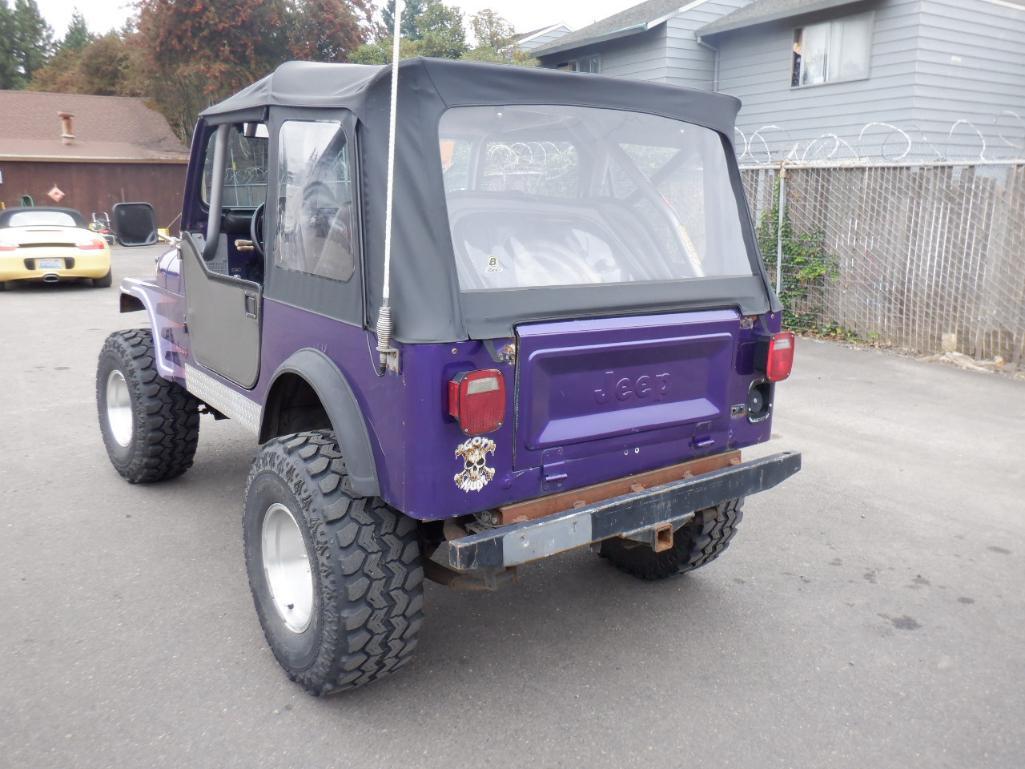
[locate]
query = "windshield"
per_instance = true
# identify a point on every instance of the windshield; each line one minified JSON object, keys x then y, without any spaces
{"x":41,"y":218}
{"x":245,"y":169}
{"x":558,"y":195}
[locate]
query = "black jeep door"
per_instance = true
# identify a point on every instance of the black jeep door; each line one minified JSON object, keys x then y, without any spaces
{"x":223,"y":315}
{"x":224,"y":270}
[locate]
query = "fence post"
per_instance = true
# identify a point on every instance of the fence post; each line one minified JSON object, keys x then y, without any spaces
{"x":779,"y":224}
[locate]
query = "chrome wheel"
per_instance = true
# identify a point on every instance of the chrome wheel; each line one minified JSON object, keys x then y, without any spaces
{"x":119,"y":408}
{"x":287,"y":567}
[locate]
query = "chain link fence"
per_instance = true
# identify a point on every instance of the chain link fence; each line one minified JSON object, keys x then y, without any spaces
{"x":922,"y":257}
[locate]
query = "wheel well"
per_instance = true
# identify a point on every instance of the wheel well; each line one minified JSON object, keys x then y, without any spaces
{"x":292,"y":406}
{"x":130,"y":303}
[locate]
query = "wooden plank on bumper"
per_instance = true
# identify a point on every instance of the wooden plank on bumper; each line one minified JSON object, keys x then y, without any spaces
{"x":520,"y":543}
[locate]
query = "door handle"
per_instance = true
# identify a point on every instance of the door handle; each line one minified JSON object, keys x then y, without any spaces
{"x":250,"y":303}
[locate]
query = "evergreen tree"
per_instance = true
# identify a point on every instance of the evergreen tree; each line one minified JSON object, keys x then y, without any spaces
{"x":32,"y":39}
{"x":429,"y":28}
{"x":9,"y":75}
{"x":78,"y":35}
{"x":410,"y":14}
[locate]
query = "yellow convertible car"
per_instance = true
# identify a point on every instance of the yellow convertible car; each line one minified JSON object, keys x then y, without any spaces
{"x":50,"y":245}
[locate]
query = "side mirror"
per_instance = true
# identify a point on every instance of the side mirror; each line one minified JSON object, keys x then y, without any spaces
{"x":134,"y":224}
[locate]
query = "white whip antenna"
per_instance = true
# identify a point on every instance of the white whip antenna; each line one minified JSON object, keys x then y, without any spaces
{"x":389,"y":355}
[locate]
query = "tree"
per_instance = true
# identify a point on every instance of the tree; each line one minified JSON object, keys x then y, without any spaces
{"x":441,"y":31}
{"x":379,"y":52}
{"x":9,"y":74}
{"x":410,"y":13}
{"x":32,"y":40}
{"x":106,"y":66}
{"x":429,"y":28}
{"x":491,"y":30}
{"x":60,"y":74}
{"x":496,"y":40}
{"x":194,"y":52}
{"x":78,"y":35}
{"x":327,"y":30}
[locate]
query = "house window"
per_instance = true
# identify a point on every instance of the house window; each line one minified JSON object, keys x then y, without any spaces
{"x":832,"y":51}
{"x":584,"y":64}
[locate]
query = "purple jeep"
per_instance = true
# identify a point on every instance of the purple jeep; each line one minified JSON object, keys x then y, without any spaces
{"x":580,"y":338}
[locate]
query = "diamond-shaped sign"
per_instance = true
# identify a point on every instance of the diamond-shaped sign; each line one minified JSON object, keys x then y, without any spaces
{"x":55,"y":194}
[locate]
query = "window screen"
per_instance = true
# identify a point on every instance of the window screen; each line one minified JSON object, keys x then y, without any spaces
{"x":315,"y":231}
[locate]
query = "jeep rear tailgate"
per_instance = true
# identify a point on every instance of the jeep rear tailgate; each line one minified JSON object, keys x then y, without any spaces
{"x":589,"y":387}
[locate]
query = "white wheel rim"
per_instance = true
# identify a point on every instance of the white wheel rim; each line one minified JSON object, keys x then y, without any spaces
{"x":119,"y":408}
{"x":287,"y":567}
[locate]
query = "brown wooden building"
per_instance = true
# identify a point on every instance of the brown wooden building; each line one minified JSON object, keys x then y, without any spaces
{"x":96,"y":150}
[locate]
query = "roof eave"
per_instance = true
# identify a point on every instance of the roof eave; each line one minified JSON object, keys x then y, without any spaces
{"x":722,"y":25}
{"x":634,"y":29}
{"x":540,"y":32}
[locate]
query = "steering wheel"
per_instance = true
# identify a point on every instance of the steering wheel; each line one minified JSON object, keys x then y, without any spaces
{"x":256,"y":229}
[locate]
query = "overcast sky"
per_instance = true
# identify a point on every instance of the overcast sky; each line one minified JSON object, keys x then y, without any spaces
{"x":103,"y":15}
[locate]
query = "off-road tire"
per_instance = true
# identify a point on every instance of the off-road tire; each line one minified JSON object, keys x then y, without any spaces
{"x":165,"y":417}
{"x":696,"y":543}
{"x":105,"y":281}
{"x":365,"y":562}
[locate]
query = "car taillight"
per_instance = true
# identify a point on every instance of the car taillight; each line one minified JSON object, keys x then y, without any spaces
{"x":93,"y":244}
{"x":8,"y":247}
{"x":477,"y":400}
{"x":780,"y":358}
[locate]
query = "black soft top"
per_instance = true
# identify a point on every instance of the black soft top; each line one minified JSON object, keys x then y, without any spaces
{"x":426,"y":300}
{"x":8,"y":213}
{"x":461,"y":83}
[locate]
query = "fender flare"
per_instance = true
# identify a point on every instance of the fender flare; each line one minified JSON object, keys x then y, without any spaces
{"x":339,"y":401}
{"x":136,"y":295}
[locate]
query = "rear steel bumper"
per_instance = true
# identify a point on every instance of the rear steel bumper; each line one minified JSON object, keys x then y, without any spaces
{"x":628,"y":515}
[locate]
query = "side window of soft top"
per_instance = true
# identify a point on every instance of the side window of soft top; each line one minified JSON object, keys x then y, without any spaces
{"x":316,"y":220}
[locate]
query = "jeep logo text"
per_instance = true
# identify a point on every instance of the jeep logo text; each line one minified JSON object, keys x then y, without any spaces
{"x":623,"y":388}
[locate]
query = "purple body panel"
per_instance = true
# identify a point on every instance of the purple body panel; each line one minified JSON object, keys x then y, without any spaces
{"x":588,"y":400}
{"x":165,"y":305}
{"x":592,"y":386}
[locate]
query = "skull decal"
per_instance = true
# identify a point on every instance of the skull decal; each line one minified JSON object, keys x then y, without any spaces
{"x":475,"y":474}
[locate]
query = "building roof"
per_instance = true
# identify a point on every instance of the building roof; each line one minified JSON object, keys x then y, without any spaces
{"x":105,"y":128}
{"x":632,"y":21}
{"x":522,"y":37}
{"x":763,"y":11}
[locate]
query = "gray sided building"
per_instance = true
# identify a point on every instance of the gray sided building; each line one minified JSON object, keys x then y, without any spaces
{"x":875,"y":79}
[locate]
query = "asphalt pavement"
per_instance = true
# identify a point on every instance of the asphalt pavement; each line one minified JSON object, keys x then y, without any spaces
{"x":870,"y":612}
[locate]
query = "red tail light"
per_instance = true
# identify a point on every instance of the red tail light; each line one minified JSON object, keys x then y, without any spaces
{"x":93,"y":244}
{"x":8,"y":247}
{"x":780,"y":359}
{"x":477,"y":400}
